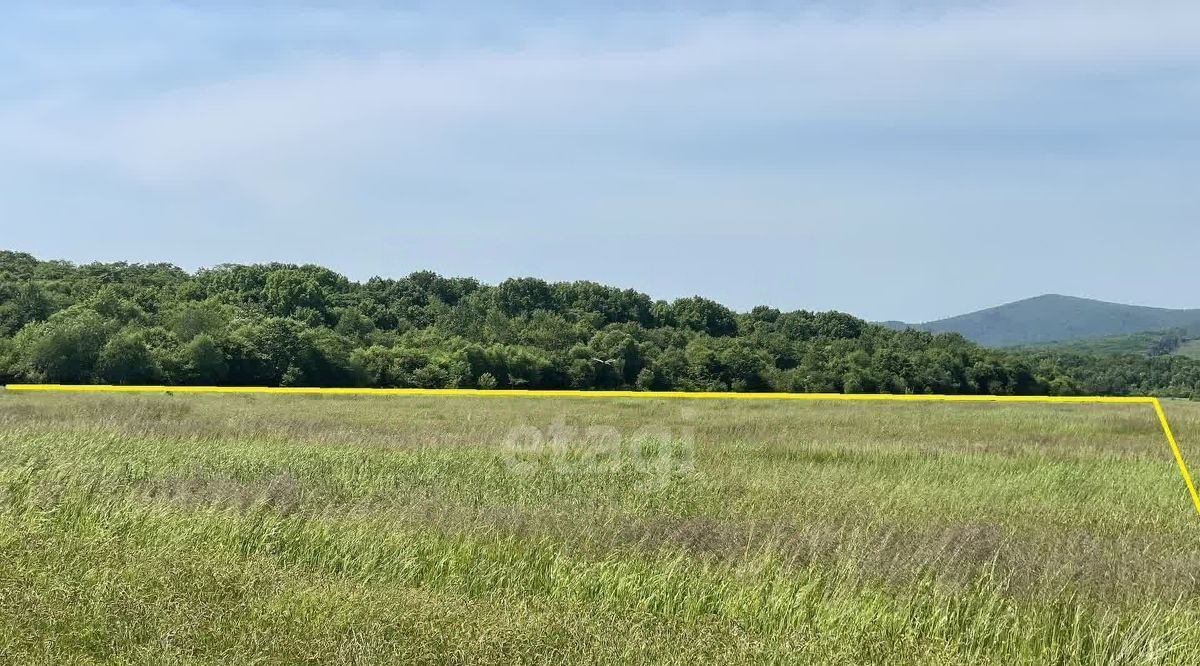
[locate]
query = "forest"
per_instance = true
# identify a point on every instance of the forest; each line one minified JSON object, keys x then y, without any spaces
{"x":292,"y":325}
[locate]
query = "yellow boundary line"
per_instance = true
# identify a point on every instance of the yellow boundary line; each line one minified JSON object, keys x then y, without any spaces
{"x":862,"y":397}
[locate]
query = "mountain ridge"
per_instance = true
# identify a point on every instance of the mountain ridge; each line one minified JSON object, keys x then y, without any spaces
{"x":1057,"y":318}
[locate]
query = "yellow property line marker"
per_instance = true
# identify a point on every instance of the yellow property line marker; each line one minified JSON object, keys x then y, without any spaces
{"x":861,"y":397}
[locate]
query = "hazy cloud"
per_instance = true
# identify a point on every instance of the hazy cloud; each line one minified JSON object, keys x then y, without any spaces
{"x":837,"y":114}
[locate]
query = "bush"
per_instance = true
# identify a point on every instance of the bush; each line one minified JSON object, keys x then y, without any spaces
{"x":64,"y":348}
{"x":125,"y":359}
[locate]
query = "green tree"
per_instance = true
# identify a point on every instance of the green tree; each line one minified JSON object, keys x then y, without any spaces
{"x":524,"y":296}
{"x":352,"y":323}
{"x":208,"y":317}
{"x":289,"y":289}
{"x":705,"y":316}
{"x":646,"y":380}
{"x":263,"y":351}
{"x":125,"y":359}
{"x":205,"y":361}
{"x":324,"y":359}
{"x":10,"y":370}
{"x":287,"y":324}
{"x":64,"y":348}
{"x":28,"y":303}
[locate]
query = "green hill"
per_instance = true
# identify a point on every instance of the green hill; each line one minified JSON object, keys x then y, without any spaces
{"x":1147,"y":343}
{"x":1055,"y":318}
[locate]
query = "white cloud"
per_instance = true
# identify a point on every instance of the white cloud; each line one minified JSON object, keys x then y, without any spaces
{"x":303,"y":117}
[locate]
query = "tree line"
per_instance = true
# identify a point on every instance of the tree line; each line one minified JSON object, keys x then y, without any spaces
{"x":290,"y":325}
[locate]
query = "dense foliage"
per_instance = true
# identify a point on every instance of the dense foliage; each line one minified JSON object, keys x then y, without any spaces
{"x":282,"y":324}
{"x":1151,"y":343}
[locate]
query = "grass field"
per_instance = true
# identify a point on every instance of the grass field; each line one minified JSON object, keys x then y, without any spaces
{"x":1191,"y":349}
{"x":289,"y":529}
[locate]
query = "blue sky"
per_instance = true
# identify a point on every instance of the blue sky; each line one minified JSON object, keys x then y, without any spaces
{"x":896,"y":160}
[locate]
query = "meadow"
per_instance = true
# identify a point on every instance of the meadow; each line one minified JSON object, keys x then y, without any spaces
{"x":274,"y":529}
{"x":1190,"y":348}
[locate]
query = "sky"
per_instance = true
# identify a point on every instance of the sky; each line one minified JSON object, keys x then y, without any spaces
{"x":896,"y":160}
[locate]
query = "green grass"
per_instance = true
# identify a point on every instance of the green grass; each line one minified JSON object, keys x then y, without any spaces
{"x":290,"y":529}
{"x":1191,"y":349}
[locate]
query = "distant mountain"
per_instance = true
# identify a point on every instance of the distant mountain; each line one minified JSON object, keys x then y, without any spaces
{"x":1056,"y":318}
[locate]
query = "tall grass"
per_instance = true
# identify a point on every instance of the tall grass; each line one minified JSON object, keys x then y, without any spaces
{"x":205,"y":529}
